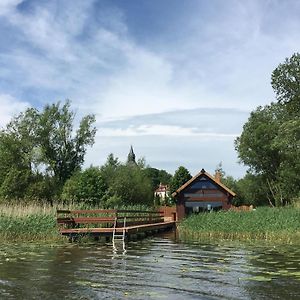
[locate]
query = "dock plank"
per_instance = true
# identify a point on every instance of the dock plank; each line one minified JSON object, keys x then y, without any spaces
{"x":128,"y":229}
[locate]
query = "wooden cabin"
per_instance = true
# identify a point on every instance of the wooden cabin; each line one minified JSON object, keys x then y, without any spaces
{"x":203,"y":192}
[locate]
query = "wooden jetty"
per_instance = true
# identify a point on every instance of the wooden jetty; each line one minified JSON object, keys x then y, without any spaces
{"x":118,"y":224}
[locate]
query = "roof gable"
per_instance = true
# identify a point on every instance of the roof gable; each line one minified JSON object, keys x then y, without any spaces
{"x":200,"y":175}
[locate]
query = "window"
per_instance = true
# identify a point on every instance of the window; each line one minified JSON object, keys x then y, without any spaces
{"x":203,"y":185}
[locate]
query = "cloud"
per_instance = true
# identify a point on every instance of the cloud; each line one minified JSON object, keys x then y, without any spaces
{"x":163,"y":130}
{"x":195,"y":71}
{"x":7,"y":6}
{"x":209,"y":123}
{"x":9,"y":107}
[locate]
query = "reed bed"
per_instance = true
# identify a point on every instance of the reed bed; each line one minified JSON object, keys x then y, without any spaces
{"x":37,"y":221}
{"x":27,"y":222}
{"x":269,"y":224}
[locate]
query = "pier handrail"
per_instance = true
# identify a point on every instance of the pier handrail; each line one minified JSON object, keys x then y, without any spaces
{"x":75,"y":218}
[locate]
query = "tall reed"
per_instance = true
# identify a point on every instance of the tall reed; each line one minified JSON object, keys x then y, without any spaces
{"x":272,"y":224}
{"x":27,"y":222}
{"x":37,"y":221}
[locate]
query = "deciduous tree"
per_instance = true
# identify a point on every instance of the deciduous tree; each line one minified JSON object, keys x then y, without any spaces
{"x":181,"y":176}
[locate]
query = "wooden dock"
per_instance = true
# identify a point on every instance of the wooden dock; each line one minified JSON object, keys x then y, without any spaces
{"x":112,"y":223}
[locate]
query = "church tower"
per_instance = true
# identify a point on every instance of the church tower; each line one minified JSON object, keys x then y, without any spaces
{"x":131,"y":157}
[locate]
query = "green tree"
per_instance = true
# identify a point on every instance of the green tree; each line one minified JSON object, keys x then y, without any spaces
{"x":256,"y":146}
{"x":270,"y":141}
{"x":18,"y":143}
{"x":286,"y":83}
{"x":39,"y":152}
{"x":109,"y":169}
{"x":132,"y":186}
{"x":157,"y":176}
{"x":63,"y":151}
{"x":164,"y":177}
{"x":252,"y":189}
{"x":181,"y":176}
{"x":87,"y":187}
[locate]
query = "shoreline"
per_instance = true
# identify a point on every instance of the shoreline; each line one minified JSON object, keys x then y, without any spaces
{"x":276,"y":225}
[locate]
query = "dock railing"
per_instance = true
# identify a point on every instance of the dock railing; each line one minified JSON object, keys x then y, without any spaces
{"x":105,"y":218}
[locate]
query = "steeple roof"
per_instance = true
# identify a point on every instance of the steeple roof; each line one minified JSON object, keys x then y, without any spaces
{"x":131,"y":157}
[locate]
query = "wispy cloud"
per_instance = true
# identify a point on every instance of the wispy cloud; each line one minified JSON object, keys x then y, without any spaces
{"x":163,"y":130}
{"x":9,"y":108}
{"x":169,"y":73}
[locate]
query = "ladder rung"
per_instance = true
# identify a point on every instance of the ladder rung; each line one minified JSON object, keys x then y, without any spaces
{"x":117,"y":236}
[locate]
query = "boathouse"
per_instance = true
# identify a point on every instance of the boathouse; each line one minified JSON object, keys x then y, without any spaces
{"x":201,"y":193}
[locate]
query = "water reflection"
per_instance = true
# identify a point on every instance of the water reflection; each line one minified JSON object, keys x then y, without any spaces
{"x":153,"y":268}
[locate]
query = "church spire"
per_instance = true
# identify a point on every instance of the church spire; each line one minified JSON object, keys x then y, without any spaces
{"x":131,"y":157}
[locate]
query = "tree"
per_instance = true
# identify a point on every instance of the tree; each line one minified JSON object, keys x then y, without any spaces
{"x":164,"y":177}
{"x":256,"y":146}
{"x":157,"y":176}
{"x":62,"y":151}
{"x":18,"y":143}
{"x":87,"y":187}
{"x":181,"y":176}
{"x":270,"y":141}
{"x":132,"y":186}
{"x":252,"y":190}
{"x":109,"y":169}
{"x":286,"y":83}
{"x":39,"y":152}
{"x":288,"y":141}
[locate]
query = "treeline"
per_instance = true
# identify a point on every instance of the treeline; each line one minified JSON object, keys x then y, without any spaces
{"x":41,"y":157}
{"x":115,"y":184}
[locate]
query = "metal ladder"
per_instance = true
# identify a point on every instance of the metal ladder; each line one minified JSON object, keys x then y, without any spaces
{"x":119,"y":237}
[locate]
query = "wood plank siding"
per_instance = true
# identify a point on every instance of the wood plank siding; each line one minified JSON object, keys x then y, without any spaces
{"x":202,"y":192}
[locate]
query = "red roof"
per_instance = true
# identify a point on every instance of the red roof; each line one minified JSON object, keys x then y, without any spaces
{"x":162,"y":188}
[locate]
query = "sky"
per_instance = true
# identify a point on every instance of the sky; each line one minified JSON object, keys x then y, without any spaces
{"x":176,"y":79}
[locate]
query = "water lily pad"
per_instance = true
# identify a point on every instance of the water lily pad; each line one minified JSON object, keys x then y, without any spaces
{"x":97,"y":285}
{"x":256,"y":278}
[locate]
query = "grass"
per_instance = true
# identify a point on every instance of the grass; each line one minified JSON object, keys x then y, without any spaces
{"x":269,"y":224}
{"x":28,"y":222}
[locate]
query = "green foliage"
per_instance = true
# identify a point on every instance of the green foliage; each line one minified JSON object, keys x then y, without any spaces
{"x":132,"y":186}
{"x":157,"y":176}
{"x":109,"y":186}
{"x":181,"y":176}
{"x":39,"y":152}
{"x":263,"y":223}
{"x":15,"y":184}
{"x":87,"y":186}
{"x":286,"y":83}
{"x":61,"y":150}
{"x":252,"y":190}
{"x":270,"y":141}
{"x":256,"y":146}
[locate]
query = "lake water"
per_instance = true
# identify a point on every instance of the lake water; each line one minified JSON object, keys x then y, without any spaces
{"x":154,"y":268}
